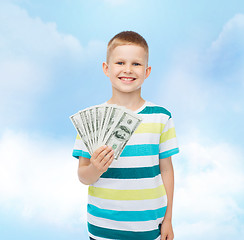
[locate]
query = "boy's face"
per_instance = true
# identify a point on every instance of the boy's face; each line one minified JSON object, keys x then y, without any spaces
{"x":127,"y":68}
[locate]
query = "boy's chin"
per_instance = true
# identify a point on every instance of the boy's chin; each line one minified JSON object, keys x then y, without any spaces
{"x":126,"y":90}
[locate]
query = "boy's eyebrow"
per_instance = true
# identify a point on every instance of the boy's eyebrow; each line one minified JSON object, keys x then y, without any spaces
{"x":134,"y":60}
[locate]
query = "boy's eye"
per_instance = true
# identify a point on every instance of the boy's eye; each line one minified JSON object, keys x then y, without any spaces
{"x":137,"y":64}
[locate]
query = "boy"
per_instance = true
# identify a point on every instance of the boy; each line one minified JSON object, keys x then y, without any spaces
{"x":131,"y":198}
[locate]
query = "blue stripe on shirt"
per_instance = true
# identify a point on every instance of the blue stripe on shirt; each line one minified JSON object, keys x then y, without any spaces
{"x":130,"y":216}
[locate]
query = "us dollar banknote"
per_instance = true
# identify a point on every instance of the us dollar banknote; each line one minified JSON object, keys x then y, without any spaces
{"x":77,"y":122}
{"x":99,"y":114}
{"x":106,"y":124}
{"x":122,"y":132}
{"x":104,"y":119}
{"x":115,"y":114}
{"x":87,"y":127}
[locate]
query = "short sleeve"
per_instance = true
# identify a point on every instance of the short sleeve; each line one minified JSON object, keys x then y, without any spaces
{"x":168,"y":144}
{"x":80,"y":149}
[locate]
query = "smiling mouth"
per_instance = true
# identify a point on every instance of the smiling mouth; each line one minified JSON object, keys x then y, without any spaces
{"x":127,"y":79}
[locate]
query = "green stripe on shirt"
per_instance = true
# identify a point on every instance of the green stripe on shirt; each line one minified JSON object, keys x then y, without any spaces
{"x":155,"y":109}
{"x":119,"y":234}
{"x":132,"y":173}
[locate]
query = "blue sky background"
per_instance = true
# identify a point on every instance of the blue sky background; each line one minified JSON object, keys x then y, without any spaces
{"x":51,"y":55}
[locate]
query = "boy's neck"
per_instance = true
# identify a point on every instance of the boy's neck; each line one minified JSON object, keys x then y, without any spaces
{"x":131,"y":102}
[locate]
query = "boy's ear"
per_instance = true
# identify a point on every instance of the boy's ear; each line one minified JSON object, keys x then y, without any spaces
{"x":148,"y":71}
{"x":105,"y":69}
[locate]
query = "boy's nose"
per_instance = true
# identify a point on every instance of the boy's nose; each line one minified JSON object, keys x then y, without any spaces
{"x":127,"y":69}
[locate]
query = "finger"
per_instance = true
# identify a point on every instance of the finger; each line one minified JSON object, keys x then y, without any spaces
{"x":108,"y":163}
{"x":108,"y":156}
{"x":98,"y":151}
{"x":101,"y":156}
{"x":104,"y":168}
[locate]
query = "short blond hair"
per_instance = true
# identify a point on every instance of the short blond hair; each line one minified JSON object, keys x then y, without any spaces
{"x":127,"y":38}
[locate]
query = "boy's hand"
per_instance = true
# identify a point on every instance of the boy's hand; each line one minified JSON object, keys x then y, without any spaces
{"x":102,"y":158}
{"x":167,"y":230}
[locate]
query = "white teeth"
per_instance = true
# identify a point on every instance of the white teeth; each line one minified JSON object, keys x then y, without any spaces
{"x":127,"y":79}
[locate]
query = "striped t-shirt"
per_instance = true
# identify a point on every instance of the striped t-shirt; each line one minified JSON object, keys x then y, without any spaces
{"x":129,"y":201}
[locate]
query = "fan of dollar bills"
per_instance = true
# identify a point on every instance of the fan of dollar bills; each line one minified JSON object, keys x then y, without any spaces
{"x":107,"y":124}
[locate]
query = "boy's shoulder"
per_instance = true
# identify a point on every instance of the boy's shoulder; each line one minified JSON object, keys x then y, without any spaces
{"x":152,"y":107}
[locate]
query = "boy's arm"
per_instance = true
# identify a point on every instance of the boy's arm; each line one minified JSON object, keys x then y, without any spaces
{"x":90,"y":170}
{"x":167,"y":173}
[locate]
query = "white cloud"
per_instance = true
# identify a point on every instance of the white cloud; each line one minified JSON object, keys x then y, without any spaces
{"x":29,"y":52}
{"x":23,"y":35}
{"x":209,"y":81}
{"x":209,"y":191}
{"x":39,"y":182}
{"x":226,"y":54}
{"x":233,"y":30}
{"x":202,"y":87}
{"x":33,"y":54}
{"x":38,"y":179}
